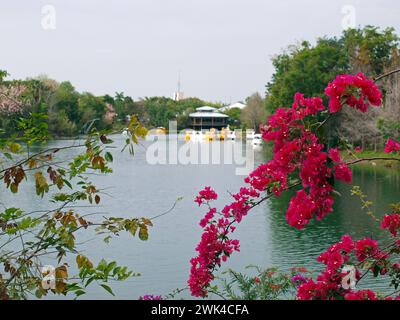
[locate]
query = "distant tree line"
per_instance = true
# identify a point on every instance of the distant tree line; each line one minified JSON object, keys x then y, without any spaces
{"x":70,"y":112}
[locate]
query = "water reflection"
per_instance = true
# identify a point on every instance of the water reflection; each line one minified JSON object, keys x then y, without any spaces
{"x":300,"y":247}
{"x":138,"y":189}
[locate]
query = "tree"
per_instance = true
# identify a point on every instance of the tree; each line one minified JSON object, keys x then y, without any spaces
{"x":254,"y":114}
{"x":66,"y":98}
{"x":92,"y":110}
{"x":370,"y":50}
{"x":304,"y":69}
{"x":235,"y":117}
{"x":307,"y":69}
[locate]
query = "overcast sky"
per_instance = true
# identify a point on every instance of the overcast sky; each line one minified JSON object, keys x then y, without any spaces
{"x":222,"y":48}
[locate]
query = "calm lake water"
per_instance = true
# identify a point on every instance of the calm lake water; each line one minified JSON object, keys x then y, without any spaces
{"x":138,"y":189}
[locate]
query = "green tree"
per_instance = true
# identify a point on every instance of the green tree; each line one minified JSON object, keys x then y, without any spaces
{"x":369,"y":49}
{"x":235,"y":117}
{"x":305,"y":69}
{"x":254,"y":114}
{"x":66,"y":98}
{"x":92,"y":110}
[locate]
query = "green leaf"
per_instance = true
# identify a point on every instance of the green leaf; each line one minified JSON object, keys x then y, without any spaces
{"x":78,"y":293}
{"x":89,"y":281}
{"x":108,"y":156}
{"x":67,"y":183}
{"x":7,"y":155}
{"x":108,"y":289}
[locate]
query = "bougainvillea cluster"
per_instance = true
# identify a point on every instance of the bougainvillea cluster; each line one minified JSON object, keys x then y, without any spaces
{"x":392,"y":146}
{"x":392,"y":223}
{"x":206,"y":195}
{"x":366,"y":254}
{"x":215,"y":245}
{"x":355,"y":91}
{"x":299,"y":160}
{"x":369,"y":257}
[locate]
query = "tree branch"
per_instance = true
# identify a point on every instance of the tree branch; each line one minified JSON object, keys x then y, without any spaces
{"x":372,"y":159}
{"x":386,"y":74}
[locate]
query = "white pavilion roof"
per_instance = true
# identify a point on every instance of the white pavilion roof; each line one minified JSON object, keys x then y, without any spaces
{"x":207,"y":112}
{"x":208,"y":115}
{"x":205,"y":109}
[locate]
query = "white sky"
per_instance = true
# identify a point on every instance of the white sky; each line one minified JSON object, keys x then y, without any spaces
{"x":222,"y":47}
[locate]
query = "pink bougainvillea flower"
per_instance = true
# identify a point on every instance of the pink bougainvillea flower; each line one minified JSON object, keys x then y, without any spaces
{"x":361,"y":295}
{"x":392,"y":146}
{"x":334,"y":154}
{"x":345,"y":88}
{"x":392,"y":223}
{"x":207,"y":194}
{"x":343,"y":173}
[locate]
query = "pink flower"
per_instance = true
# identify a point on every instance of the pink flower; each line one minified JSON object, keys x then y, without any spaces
{"x":206,"y":194}
{"x":392,"y":223}
{"x":310,"y":105}
{"x":392,"y":146}
{"x":210,"y":214}
{"x":301,"y":210}
{"x":361,"y":295}
{"x":344,"y":88}
{"x":343,"y":173}
{"x":334,"y":154}
{"x":366,"y":248}
{"x":298,"y":279}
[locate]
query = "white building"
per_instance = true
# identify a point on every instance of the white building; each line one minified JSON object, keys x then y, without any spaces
{"x":238,"y":105}
{"x":178,"y":95}
{"x":207,"y":117}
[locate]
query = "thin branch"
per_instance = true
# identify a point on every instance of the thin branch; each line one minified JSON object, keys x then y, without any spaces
{"x":50,"y":150}
{"x":386,"y":74}
{"x":373,"y":159}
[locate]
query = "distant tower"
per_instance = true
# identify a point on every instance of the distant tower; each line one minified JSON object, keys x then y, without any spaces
{"x":178,"y":95}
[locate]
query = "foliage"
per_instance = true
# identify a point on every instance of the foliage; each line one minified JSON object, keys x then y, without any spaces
{"x":268,"y":284}
{"x":234,"y":119}
{"x":305,"y":69}
{"x":254,"y":114}
{"x":28,"y":238}
{"x":70,"y":112}
{"x":370,"y":50}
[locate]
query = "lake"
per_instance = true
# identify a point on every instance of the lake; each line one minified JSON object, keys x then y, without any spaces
{"x":137,"y":189}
